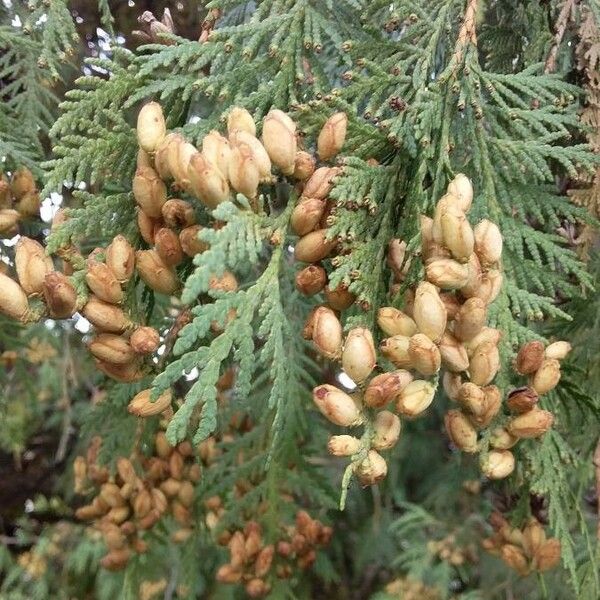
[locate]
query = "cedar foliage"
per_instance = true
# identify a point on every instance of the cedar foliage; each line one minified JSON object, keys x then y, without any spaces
{"x":505,"y":92}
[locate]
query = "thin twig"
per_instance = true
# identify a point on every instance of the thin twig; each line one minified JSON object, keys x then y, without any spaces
{"x":561,"y":27}
{"x":183,"y":318}
{"x":61,"y":451}
{"x":596,"y":461}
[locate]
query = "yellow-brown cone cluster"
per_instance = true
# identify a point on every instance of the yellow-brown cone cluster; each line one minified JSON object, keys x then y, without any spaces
{"x":19,"y":199}
{"x":525,"y":550}
{"x":254,"y":563}
{"x":131,"y":502}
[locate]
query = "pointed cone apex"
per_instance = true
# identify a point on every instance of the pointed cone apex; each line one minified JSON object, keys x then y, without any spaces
{"x":240,"y":118}
{"x":337,"y":406}
{"x":462,"y":189}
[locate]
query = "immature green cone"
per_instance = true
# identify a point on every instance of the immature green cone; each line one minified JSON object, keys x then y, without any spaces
{"x":358,"y":355}
{"x":387,"y":430}
{"x":190,"y":244}
{"x":307,"y":214}
{"x":372,"y":469}
{"x":546,"y":378}
{"x":151,"y":127}
{"x":415,"y":398}
{"x":530,"y":357}
{"x":168,"y":246}
{"x":320,"y":183}
{"x":314,"y":246}
{"x":470,"y":319}
{"x":395,"y":349}
{"x":149,"y":191}
{"x":462,"y":189}
{"x":311,"y":280}
{"x":261,"y":157}
{"x":32,"y":265}
{"x":304,"y":165}
{"x":142,"y":406}
{"x":102,"y":281}
{"x":395,"y":322}
{"x":279,"y":139}
{"x":13,"y":300}
{"x":206,"y":181}
{"x":457,"y":233}
{"x":453,"y":353}
{"x":105,"y":316}
{"x":327,"y":332}
{"x":216,"y":149}
{"x":531,"y":424}
{"x":343,"y":445}
{"x":557,"y":350}
{"x":383,"y":388}
{"x":337,"y":406}
{"x":498,"y":464}
{"x":447,"y":273}
{"x":460,"y":431}
{"x":60,"y":295}
{"x":488,"y":242}
{"x":240,"y":118}
{"x":332,"y":136}
{"x":155,"y":273}
{"x":429,"y":312}
{"x":144,"y":340}
{"x":111,"y":348}
{"x":484,"y":363}
{"x":243,"y":172}
{"x":120,"y":258}
{"x":522,"y":400}
{"x":424,"y":355}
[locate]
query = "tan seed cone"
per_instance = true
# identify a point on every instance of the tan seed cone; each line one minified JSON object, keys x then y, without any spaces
{"x":484,"y":363}
{"x":8,"y":221}
{"x":473,"y":285}
{"x":311,"y":280}
{"x":155,"y":273}
{"x":279,"y":139}
{"x":141,"y":405}
{"x":395,"y":349}
{"x":304,"y":165}
{"x":103,"y":283}
{"x":147,"y":226}
{"x":557,"y":350}
{"x":452,"y":383}
{"x":32,"y":265}
{"x":337,"y":406}
{"x":387,"y":430}
{"x":206,"y":181}
{"x":396,"y":256}
{"x":126,"y":373}
{"x":491,"y":286}
{"x":522,"y":400}
{"x":314,"y":246}
{"x":424,"y":355}
{"x":470,"y":319}
{"x":320,"y":183}
{"x":145,"y":340}
{"x":240,"y":118}
{"x":217,"y":149}
{"x":546,"y":378}
{"x":447,"y":273}
{"x":307,"y":214}
{"x":453,"y":353}
{"x":143,"y":159}
{"x":383,"y":388}
{"x":548,"y":556}
{"x":179,"y":155}
{"x":429,"y":312}
{"x":111,"y":348}
{"x":261,"y":158}
{"x":161,"y":157}
{"x":462,"y":189}
{"x":451,"y":303}
{"x":60,"y":295}
{"x":488,"y":242}
{"x":514,"y":557}
{"x":178,"y":214}
{"x":226,"y":282}
{"x":358,"y":355}
{"x":457,"y":233}
{"x":343,"y":445}
{"x":151,"y":127}
{"x":168,"y":246}
{"x":491,"y":406}
{"x":13,"y":300}
{"x":415,"y":398}
{"x":190,"y":244}
{"x":530,"y":357}
{"x":395,"y":322}
{"x":332,"y":136}
{"x":460,"y":431}
{"x":531,"y":424}
{"x":372,"y":469}
{"x":501,"y":439}
{"x":149,"y":191}
{"x":29,"y":204}
{"x":120,"y":258}
{"x":243,"y":172}
{"x":22,"y":183}
{"x":487,"y":334}
{"x":105,"y":316}
{"x":472,"y":398}
{"x":327,"y":332}
{"x":339,"y":298}
{"x":498,"y":464}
